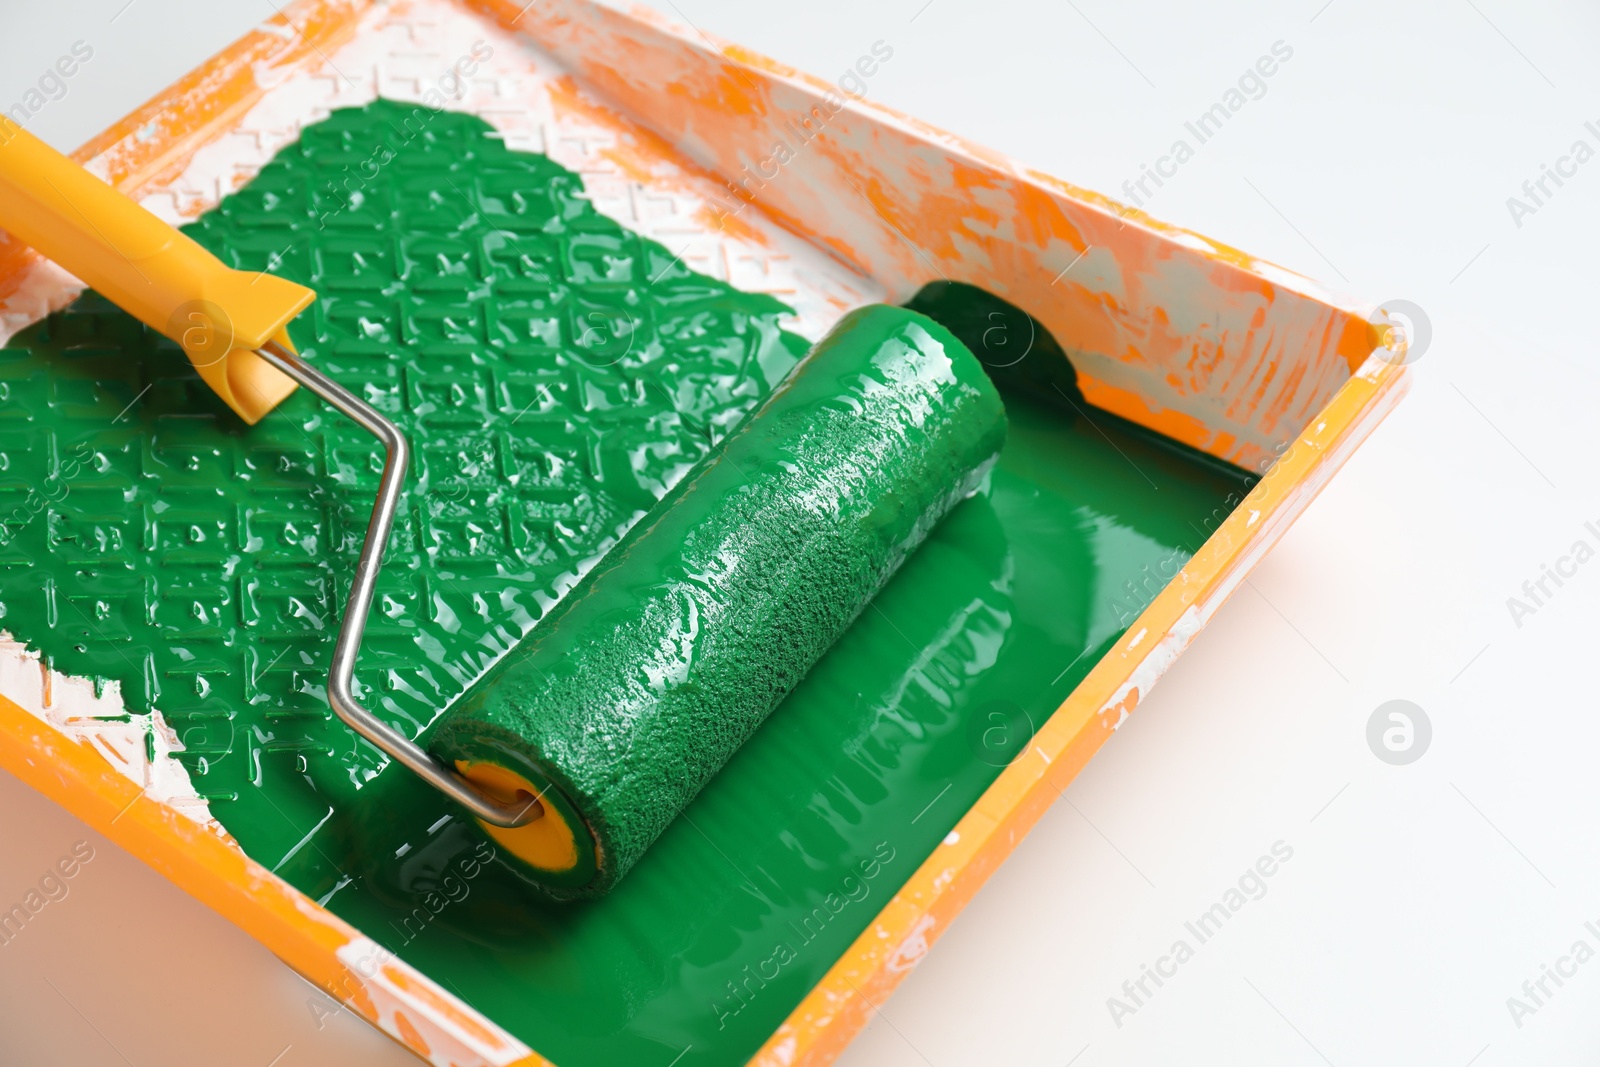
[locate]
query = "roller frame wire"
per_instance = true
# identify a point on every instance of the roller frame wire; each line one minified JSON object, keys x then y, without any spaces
{"x":359,"y":604}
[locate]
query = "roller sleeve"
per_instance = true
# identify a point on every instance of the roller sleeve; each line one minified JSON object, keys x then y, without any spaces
{"x":644,"y":680}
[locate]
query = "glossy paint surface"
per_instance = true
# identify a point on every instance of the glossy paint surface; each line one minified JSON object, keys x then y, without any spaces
{"x":199,"y":567}
{"x":467,"y":291}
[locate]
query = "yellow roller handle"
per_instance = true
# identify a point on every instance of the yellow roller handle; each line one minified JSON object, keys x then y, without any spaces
{"x":167,"y":281}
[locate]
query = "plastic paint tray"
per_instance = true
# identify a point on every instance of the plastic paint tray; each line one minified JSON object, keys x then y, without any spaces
{"x":1195,"y":341}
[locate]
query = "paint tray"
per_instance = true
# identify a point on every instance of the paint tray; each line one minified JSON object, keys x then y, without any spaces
{"x":818,"y":868}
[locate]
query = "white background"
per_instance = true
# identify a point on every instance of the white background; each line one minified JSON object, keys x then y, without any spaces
{"x":1419,"y":898}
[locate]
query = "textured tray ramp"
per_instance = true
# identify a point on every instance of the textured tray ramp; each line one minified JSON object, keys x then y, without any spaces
{"x":467,"y":291}
{"x":555,"y":373}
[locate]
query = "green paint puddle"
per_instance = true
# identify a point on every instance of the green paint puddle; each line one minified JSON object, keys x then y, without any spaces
{"x":555,"y":373}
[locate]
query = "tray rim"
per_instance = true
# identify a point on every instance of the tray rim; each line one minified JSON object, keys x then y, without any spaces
{"x":150,"y":145}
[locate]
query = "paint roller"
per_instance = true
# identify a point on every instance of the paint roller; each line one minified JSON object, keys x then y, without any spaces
{"x":583,"y":743}
{"x":640,"y":683}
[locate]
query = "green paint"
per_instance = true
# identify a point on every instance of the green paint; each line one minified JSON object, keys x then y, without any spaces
{"x":553,"y":372}
{"x":200,"y":565}
{"x":640,"y":684}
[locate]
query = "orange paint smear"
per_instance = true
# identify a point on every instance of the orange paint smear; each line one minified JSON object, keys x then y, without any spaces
{"x":906,"y":205}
